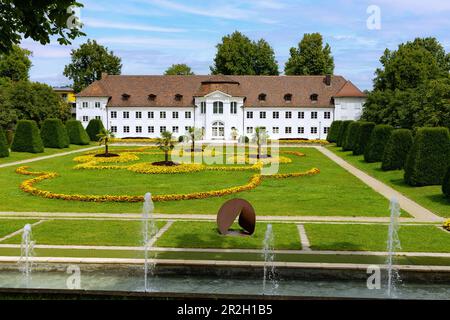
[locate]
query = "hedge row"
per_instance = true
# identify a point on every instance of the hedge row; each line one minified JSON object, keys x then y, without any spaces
{"x":94,"y":128}
{"x":362,"y":140}
{"x":428,"y":160}
{"x":54,"y":134}
{"x":397,"y":149}
{"x":343,"y":132}
{"x":4,"y":146}
{"x":446,"y":184}
{"x":77,"y":134}
{"x":378,"y":139}
{"x":333,"y":134}
{"x":27,"y":137}
{"x":350,"y":138}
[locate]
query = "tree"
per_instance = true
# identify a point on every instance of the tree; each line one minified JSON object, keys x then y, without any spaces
{"x":54,"y":134}
{"x":77,"y":134}
{"x":311,"y":57}
{"x":377,"y":143}
{"x":15,"y":64}
{"x":446,"y":184}
{"x":350,"y":139}
{"x":397,"y":149}
{"x":334,"y":131}
{"x":165,"y":144}
{"x":103,"y":138}
{"x":27,"y":138}
{"x":238,"y":55}
{"x":94,"y":128}
{"x":37,"y":20}
{"x":179,"y":70}
{"x":4,"y":145}
{"x":362,"y":140}
{"x":194,"y":134}
{"x":89,"y":62}
{"x":260,"y":137}
{"x":343,"y":132}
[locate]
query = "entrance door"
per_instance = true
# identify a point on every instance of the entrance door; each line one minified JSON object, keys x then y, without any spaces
{"x":218,"y":130}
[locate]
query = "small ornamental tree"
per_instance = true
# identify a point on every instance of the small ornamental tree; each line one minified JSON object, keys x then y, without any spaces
{"x":77,"y":134}
{"x":378,"y":139}
{"x":193,"y":135}
{"x":165,"y":144}
{"x":343,"y":132}
{"x":94,"y":128}
{"x":27,"y":137}
{"x":333,"y":134}
{"x":352,"y":134}
{"x":446,"y":184}
{"x":364,"y":133}
{"x":104,"y":137}
{"x":429,"y":157}
{"x":54,"y":134}
{"x":4,"y":146}
{"x":397,"y":149}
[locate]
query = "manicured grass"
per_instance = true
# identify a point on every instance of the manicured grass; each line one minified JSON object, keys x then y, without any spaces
{"x":18,"y":156}
{"x":333,"y":192}
{"x":87,"y":232}
{"x":430,"y":197}
{"x":205,"y":235}
{"x":8,"y":226}
{"x":361,"y":237}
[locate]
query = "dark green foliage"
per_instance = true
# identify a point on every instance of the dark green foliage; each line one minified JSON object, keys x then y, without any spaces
{"x":27,"y":137}
{"x":397,"y":149}
{"x":4,"y":146}
{"x":94,"y":128}
{"x":333,"y":134}
{"x":446,"y":184}
{"x":429,"y":158}
{"x":54,"y":134}
{"x":362,"y":140}
{"x":350,"y":137}
{"x":378,"y":139}
{"x":77,"y":134}
{"x":343,"y":132}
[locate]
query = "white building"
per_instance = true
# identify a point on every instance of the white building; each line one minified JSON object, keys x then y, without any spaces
{"x":287,"y":106}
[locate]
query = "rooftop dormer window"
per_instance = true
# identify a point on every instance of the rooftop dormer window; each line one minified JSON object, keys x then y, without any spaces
{"x":314,"y":97}
{"x":125,"y":96}
{"x":178,"y":97}
{"x":152,"y":97}
{"x":262,"y":97}
{"x":288,"y":97}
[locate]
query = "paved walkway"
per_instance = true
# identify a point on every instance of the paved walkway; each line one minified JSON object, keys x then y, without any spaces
{"x":16,"y":163}
{"x":413,"y":208}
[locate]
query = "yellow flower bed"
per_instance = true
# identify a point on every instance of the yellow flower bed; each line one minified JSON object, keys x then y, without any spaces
{"x":247,"y":160}
{"x":447,"y":225}
{"x":295,"y":153}
{"x":294,"y":174}
{"x":148,"y":168}
{"x":119,"y":140}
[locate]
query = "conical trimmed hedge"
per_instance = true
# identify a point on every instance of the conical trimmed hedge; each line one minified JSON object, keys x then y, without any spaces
{"x":446,"y":184}
{"x":333,"y":134}
{"x":77,"y":134}
{"x":54,"y":134}
{"x":429,"y":157}
{"x":362,"y":140}
{"x":94,"y":127}
{"x":343,"y":132}
{"x":27,"y":137}
{"x":378,"y":139}
{"x":4,"y":147}
{"x":352,"y":134}
{"x":397,"y":149}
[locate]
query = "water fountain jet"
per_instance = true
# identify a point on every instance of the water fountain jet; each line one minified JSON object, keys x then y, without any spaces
{"x":149,"y":230}
{"x":269,"y":265}
{"x":26,"y":254}
{"x":393,"y":244}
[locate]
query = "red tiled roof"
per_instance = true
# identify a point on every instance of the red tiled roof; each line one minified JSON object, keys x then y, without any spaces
{"x":165,"y":88}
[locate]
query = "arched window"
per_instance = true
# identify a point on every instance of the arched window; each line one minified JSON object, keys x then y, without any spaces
{"x":288,"y":97}
{"x":218,"y":107}
{"x":262,"y":97}
{"x":314,"y":97}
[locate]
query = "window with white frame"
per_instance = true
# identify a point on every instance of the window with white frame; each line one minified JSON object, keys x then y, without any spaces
{"x":288,"y":130}
{"x":276,"y":115}
{"x":151,"y":129}
{"x":150,"y":114}
{"x":202,"y":107}
{"x":314,"y":115}
{"x":175,"y":129}
{"x":233,"y":108}
{"x":326,"y":130}
{"x":85,"y":118}
{"x":97,"y":104}
{"x":162,"y":129}
{"x":327,"y":115}
{"x":98,"y":118}
{"x":249,"y":114}
{"x":301,"y":130}
{"x":249,"y":129}
{"x":218,"y":107}
{"x":114,"y":129}
{"x":262,"y":114}
{"x":175,"y":114}
{"x":187,"y":114}
{"x":288,"y":115}
{"x":275,"y":130}
{"x":313,"y":130}
{"x":126,"y":115}
{"x":301,"y":115}
{"x":186,"y":129}
{"x":113,"y":114}
{"x":85,"y":104}
{"x":126,"y":129}
{"x":138,"y":129}
{"x":138,"y":115}
{"x":162,"y":114}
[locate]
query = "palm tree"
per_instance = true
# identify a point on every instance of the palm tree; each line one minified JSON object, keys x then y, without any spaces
{"x":103,"y":139}
{"x":193,"y":135}
{"x":260,"y":137}
{"x":165,"y":143}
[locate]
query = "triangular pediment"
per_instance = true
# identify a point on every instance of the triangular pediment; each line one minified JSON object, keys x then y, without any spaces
{"x":217,"y":95}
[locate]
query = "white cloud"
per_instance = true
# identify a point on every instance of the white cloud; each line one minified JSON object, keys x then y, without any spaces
{"x":156,"y":43}
{"x":97,"y":23}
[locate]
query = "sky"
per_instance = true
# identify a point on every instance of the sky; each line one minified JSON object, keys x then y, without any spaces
{"x":151,"y":35}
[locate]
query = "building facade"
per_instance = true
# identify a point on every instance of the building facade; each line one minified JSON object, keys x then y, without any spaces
{"x":68,"y":95}
{"x":288,"y":107}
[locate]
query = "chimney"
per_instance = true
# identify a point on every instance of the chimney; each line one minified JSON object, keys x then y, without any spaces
{"x":327,"y":80}
{"x":104,"y":75}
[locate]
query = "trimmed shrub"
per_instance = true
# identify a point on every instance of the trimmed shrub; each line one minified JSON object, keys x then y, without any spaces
{"x":333,"y":134}
{"x":94,"y":127}
{"x":397,"y":149}
{"x":77,"y":134}
{"x":446,"y":184}
{"x":352,"y":134}
{"x":4,"y":146}
{"x":429,"y":157}
{"x":27,"y":137}
{"x":362,"y":140}
{"x":343,"y":132}
{"x":375,"y":148}
{"x":54,"y":134}
{"x":9,"y":136}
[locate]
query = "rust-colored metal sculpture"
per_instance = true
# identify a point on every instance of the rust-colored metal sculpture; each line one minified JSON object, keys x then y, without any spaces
{"x":233,"y":208}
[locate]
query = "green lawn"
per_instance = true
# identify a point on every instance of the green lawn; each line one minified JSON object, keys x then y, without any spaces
{"x":205,"y":235}
{"x":18,"y":156}
{"x":430,"y":197}
{"x":8,"y":226}
{"x":333,"y":192}
{"x":360,"y":237}
{"x":87,"y":232}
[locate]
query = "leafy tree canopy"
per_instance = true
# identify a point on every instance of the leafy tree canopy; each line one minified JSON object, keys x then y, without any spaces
{"x":179,"y":70}
{"x":15,"y":64}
